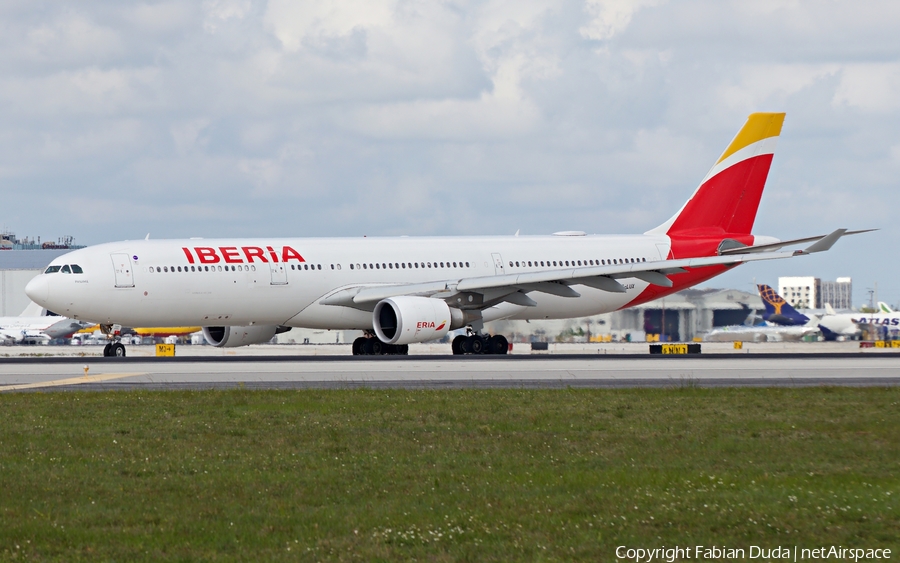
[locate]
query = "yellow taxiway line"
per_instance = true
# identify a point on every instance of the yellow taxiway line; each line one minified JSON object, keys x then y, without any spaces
{"x":70,"y":381}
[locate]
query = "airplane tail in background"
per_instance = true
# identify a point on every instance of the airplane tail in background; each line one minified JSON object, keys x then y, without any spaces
{"x":727,"y":199}
{"x":778,"y":310}
{"x":32,"y":310}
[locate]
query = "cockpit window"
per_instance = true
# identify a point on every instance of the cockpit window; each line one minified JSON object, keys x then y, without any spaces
{"x":52,"y":269}
{"x":76,"y":269}
{"x":66,"y":269}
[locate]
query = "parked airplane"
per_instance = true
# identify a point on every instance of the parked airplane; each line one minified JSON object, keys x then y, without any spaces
{"x":33,"y":326}
{"x":833,"y":325}
{"x":760,"y":333}
{"x":782,"y":323}
{"x":404,"y":290}
{"x":851,"y":324}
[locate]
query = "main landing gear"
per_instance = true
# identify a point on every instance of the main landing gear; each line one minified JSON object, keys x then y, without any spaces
{"x":369,"y":345}
{"x":479,"y":344}
{"x":114,"y":348}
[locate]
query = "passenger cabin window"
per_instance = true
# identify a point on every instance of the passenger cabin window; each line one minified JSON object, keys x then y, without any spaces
{"x":52,"y":269}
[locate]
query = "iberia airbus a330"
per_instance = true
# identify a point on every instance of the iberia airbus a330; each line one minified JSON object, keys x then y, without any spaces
{"x":415,"y":289}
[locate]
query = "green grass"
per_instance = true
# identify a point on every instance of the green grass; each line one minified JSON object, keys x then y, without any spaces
{"x":465,"y":475}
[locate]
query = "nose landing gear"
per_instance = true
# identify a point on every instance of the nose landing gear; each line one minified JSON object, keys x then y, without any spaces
{"x":115,"y":348}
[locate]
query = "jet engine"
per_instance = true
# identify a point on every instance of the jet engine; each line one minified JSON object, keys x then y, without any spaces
{"x":408,"y":319}
{"x":234,"y":336}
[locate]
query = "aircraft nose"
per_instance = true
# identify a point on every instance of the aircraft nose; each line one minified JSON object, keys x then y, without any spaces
{"x":38,"y":290}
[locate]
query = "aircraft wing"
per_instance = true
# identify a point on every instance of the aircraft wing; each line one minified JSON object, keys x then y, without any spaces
{"x":514,"y":287}
{"x":63,"y":327}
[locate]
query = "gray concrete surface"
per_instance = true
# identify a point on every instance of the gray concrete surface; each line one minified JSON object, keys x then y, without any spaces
{"x":554,"y":370}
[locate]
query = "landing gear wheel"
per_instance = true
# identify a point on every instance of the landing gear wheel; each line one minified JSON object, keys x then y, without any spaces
{"x":106,"y":348}
{"x":358,"y":346}
{"x":117,"y":350}
{"x":498,"y":344}
{"x":457,"y":345}
{"x":372,"y":347}
{"x":402,"y":350}
{"x":474,"y":345}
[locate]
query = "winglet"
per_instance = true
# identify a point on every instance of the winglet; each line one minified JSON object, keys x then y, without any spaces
{"x":824,"y":243}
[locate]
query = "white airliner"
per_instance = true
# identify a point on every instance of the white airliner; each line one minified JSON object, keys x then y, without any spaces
{"x":851,"y":324}
{"x":33,"y":326}
{"x":761,"y":333}
{"x":404,"y":290}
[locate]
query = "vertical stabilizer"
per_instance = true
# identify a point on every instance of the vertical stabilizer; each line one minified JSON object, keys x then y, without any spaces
{"x":32,"y":310}
{"x":779,"y":311}
{"x":728,"y":197}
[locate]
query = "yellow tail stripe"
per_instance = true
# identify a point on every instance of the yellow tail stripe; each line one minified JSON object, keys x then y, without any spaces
{"x":759,"y":126}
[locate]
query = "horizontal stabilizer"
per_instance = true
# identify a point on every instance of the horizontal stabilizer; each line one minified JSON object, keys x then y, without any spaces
{"x":783,"y":243}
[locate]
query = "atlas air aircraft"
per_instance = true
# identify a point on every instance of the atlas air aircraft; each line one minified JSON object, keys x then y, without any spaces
{"x":405,"y":290}
{"x":851,"y":324}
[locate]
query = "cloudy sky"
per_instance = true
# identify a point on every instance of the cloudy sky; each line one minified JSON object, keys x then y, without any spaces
{"x":384,"y":117}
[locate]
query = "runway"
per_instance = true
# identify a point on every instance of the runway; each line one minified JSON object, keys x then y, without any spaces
{"x":447,"y":372}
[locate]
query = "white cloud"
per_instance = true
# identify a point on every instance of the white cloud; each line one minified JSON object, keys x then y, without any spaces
{"x":608,"y":18}
{"x":759,"y":85}
{"x":217,"y":12}
{"x":872,"y":87}
{"x":187,"y":135}
{"x":72,"y":38}
{"x":296,"y":21}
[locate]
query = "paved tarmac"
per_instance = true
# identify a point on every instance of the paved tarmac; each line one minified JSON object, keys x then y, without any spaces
{"x":279,"y":371}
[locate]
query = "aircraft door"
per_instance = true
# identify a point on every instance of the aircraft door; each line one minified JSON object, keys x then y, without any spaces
{"x":279,"y":273}
{"x":498,"y":264}
{"x":124,"y":269}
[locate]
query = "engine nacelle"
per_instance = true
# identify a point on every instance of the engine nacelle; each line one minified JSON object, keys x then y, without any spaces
{"x":408,"y":319}
{"x":233,"y":336}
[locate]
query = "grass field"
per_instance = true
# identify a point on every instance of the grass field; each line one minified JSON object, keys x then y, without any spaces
{"x":477,"y":475}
